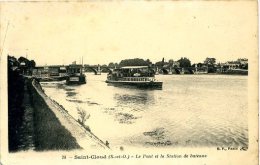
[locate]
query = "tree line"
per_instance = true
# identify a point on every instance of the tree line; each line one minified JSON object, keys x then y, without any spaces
{"x":22,"y":64}
{"x":183,"y":62}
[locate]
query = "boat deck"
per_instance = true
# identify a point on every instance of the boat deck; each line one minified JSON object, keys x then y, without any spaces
{"x":143,"y":82}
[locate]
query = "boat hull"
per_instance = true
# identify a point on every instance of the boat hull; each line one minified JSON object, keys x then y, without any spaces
{"x":76,"y":80}
{"x":50,"y":79}
{"x":146,"y":84}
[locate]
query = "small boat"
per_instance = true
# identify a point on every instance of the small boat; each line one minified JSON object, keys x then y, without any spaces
{"x":138,"y":76}
{"x":75,"y":75}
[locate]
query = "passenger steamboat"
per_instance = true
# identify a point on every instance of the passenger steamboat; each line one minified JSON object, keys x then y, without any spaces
{"x":139,"y":76}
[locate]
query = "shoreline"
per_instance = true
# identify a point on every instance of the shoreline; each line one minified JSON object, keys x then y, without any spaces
{"x":85,"y":138}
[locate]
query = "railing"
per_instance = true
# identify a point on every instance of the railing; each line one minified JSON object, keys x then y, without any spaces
{"x":143,"y":79}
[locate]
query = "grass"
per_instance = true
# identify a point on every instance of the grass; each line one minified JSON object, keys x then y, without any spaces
{"x":48,"y":131}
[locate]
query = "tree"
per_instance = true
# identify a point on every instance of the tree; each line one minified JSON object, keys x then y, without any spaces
{"x":83,"y":116}
{"x":171,"y":62}
{"x":12,"y":61}
{"x":184,"y":62}
{"x":134,"y":62}
{"x":149,"y":62}
{"x":24,"y":61}
{"x":26,"y":65}
{"x":111,"y":65}
{"x":116,"y":65}
{"x":31,"y":64}
{"x":159,"y":64}
{"x":104,"y":66}
{"x":210,"y":61}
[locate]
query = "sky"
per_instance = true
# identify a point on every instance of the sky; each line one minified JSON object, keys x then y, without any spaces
{"x":110,"y":31}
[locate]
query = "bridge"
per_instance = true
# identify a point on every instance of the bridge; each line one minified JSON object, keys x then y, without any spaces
{"x":97,"y":69}
{"x":180,"y":70}
{"x":61,"y":70}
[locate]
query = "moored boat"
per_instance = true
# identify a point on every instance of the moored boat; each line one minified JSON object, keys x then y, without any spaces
{"x":139,"y":76}
{"x":50,"y":73}
{"x":75,"y":75}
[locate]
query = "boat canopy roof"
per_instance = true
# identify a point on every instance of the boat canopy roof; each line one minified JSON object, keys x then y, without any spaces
{"x":134,"y":67}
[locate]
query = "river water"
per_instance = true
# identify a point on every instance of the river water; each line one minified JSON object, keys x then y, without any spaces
{"x":189,"y":111}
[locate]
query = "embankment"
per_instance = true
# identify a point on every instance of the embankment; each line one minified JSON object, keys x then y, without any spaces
{"x":49,"y":132}
{"x":35,"y":122}
{"x":85,"y":138}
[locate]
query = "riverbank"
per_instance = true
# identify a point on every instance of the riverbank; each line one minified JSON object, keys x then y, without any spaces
{"x":49,"y":131}
{"x":85,"y":138}
{"x":38,"y":123}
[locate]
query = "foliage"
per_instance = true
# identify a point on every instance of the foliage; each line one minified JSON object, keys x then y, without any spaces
{"x":171,"y":62}
{"x":210,"y":61}
{"x":12,"y":61}
{"x":23,"y":59}
{"x":28,"y":63}
{"x":184,"y":62}
{"x":113,"y":65}
{"x":82,"y":116}
{"x":159,"y":64}
{"x":245,"y":66}
{"x":135,"y":62}
{"x":32,"y":64}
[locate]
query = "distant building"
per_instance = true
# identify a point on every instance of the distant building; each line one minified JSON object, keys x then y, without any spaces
{"x":40,"y":72}
{"x":200,"y":68}
{"x":241,"y":63}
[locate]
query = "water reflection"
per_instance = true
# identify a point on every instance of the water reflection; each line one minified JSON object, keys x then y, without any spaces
{"x":129,"y":103}
{"x":142,"y":98}
{"x":52,"y":85}
{"x":125,"y":118}
{"x":124,"y":86}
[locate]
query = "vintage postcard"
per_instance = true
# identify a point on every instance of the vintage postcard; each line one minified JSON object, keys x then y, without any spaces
{"x":129,"y":82}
